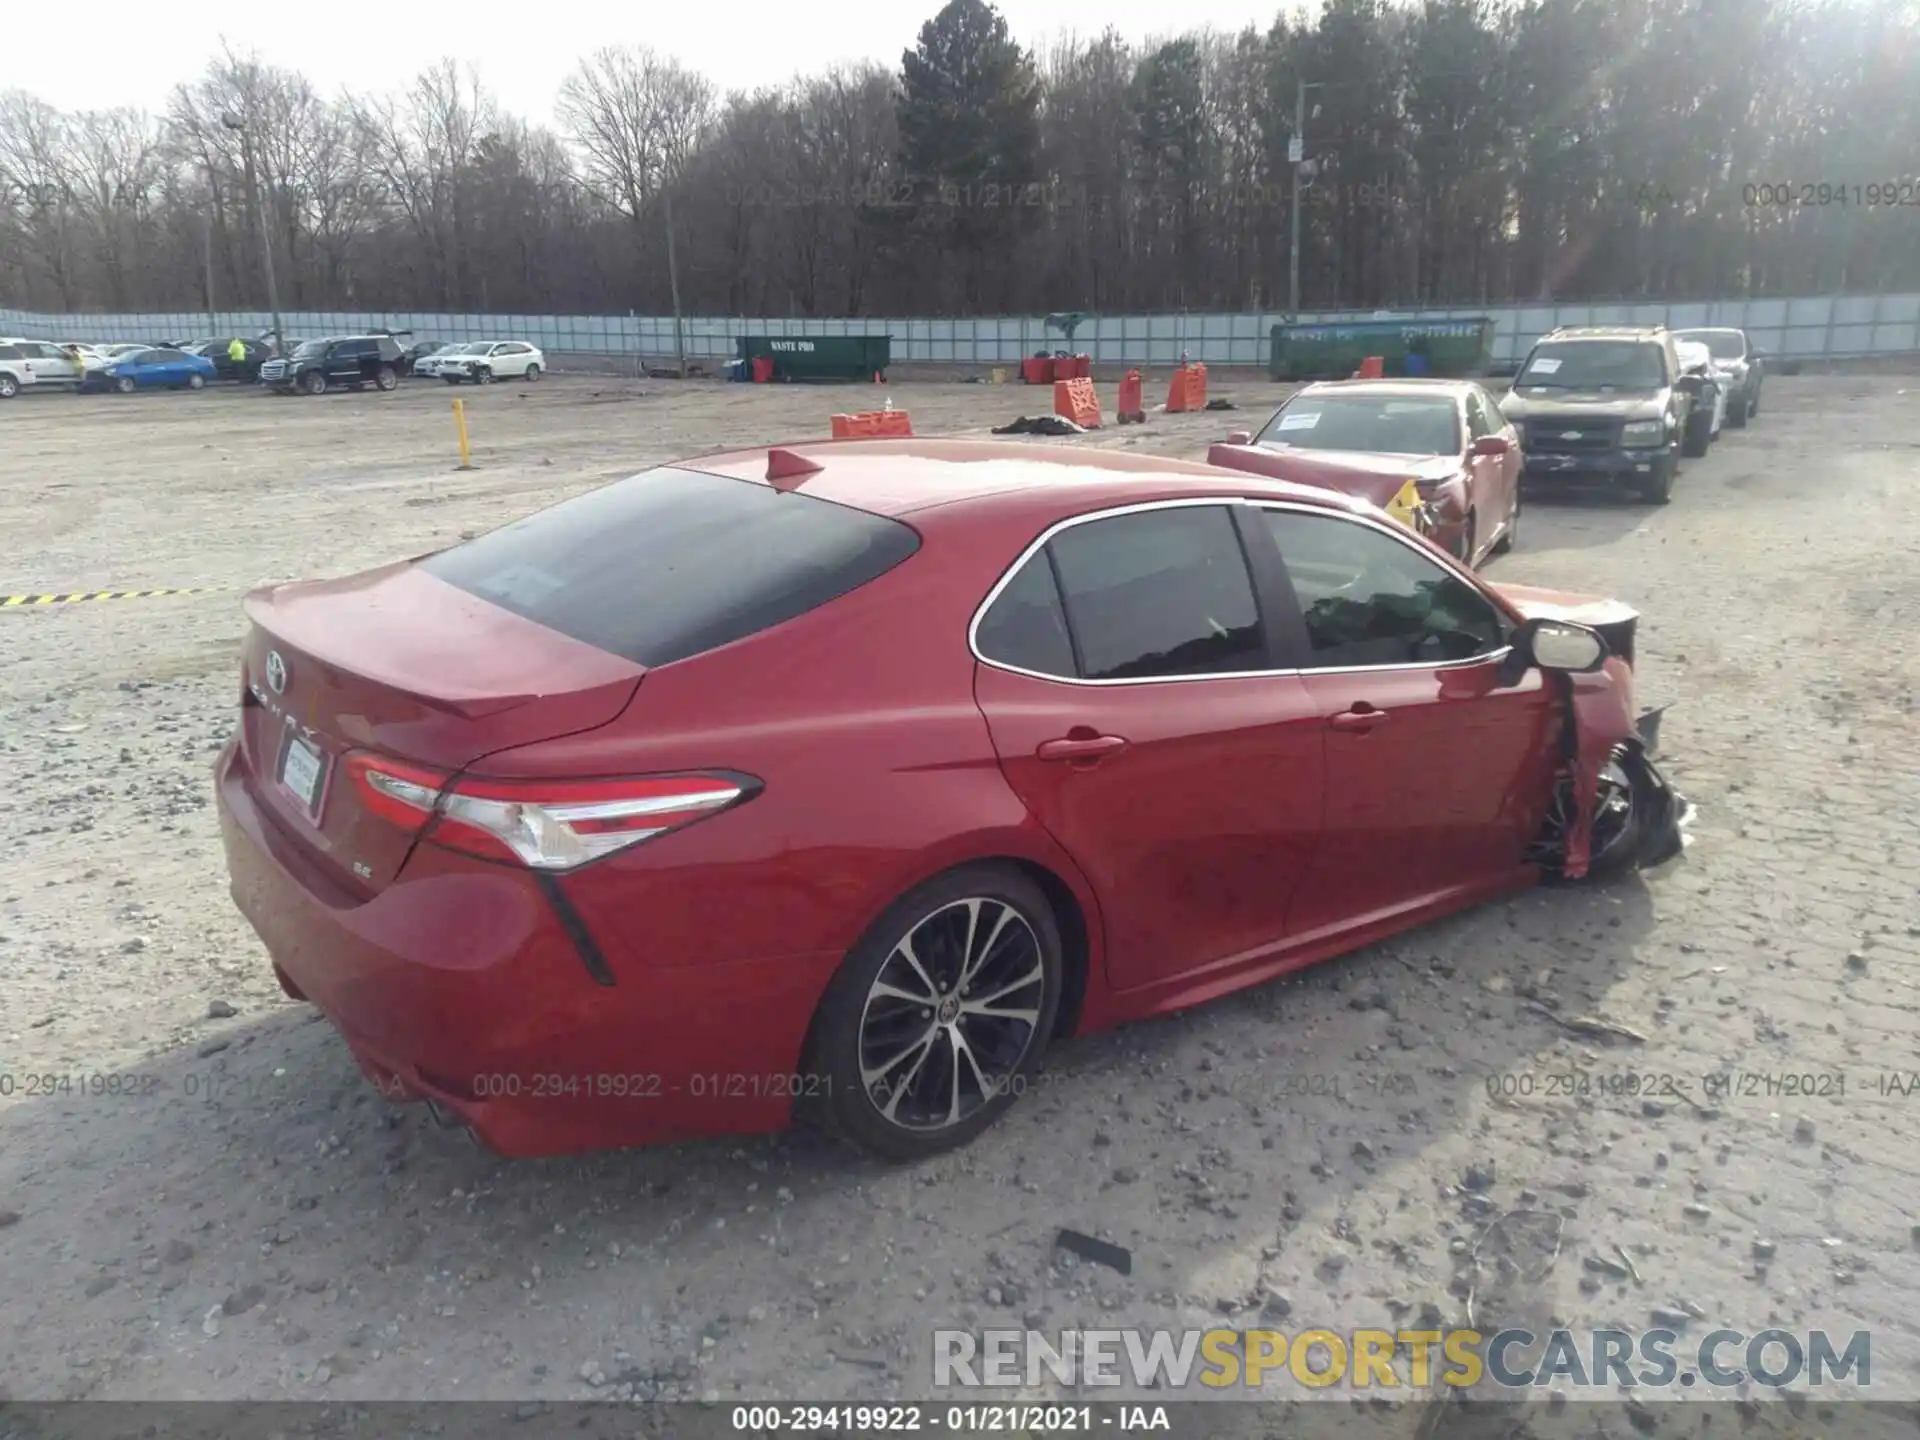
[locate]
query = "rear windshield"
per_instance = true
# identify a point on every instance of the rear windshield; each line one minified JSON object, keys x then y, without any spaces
{"x":672,"y":562}
{"x":1724,"y":344}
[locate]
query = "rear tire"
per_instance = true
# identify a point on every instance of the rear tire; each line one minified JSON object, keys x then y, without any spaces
{"x":1753,"y":403}
{"x":385,"y":377}
{"x":196,"y":381}
{"x":533,"y":372}
{"x":9,"y":387}
{"x":893,"y":1079}
{"x":1737,"y":413}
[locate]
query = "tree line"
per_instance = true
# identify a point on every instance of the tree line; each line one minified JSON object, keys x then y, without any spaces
{"x":1457,"y":152}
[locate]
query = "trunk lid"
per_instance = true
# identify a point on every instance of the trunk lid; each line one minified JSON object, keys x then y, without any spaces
{"x":397,"y":663}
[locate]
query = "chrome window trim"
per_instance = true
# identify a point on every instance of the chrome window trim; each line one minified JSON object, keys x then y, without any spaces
{"x":1384,"y":526}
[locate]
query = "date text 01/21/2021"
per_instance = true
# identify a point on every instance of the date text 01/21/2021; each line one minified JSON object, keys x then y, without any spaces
{"x":774,"y":1420}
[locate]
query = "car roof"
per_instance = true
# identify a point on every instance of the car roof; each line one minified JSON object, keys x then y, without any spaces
{"x":1411,"y":385}
{"x":1711,"y":330}
{"x":1650,"y":333}
{"x":1005,"y":477}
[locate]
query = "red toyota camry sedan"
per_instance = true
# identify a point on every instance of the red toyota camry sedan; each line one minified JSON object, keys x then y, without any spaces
{"x":839,"y":779}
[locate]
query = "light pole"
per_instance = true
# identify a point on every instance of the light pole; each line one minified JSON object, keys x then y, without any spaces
{"x":206,"y":254}
{"x":673,"y":284}
{"x":236,"y":123}
{"x":1297,"y":157}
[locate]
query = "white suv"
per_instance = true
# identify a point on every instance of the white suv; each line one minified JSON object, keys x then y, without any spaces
{"x":45,"y":363}
{"x":16,"y":371}
{"x":485,"y":361}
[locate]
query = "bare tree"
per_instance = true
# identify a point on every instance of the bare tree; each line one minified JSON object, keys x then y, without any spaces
{"x":421,"y":148}
{"x":36,"y":176}
{"x":637,"y":119}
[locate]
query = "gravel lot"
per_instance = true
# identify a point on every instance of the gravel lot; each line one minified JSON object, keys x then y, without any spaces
{"x":255,"y":1223}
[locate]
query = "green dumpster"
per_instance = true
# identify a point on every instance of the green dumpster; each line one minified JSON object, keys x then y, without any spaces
{"x":1406,"y":347}
{"x":820,"y":357}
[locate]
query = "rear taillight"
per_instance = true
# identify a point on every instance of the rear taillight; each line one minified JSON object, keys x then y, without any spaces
{"x":398,"y":793}
{"x":548,"y":825}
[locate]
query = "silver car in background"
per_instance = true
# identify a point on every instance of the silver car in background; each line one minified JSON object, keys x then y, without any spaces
{"x":1736,"y":363}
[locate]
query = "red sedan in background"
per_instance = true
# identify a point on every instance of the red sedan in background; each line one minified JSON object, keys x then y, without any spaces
{"x":1372,"y":437}
{"x":842,"y":778}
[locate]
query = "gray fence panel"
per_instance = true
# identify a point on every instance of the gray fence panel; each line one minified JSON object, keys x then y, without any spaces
{"x":1806,"y":327}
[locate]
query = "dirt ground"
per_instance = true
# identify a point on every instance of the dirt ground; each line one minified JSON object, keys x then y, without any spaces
{"x":254,"y":1222}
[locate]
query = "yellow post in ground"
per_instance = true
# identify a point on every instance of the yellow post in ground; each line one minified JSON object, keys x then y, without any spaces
{"x":460,"y":426}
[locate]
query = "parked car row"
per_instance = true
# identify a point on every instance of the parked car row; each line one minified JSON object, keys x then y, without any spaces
{"x":1614,"y":404}
{"x":310,"y":367}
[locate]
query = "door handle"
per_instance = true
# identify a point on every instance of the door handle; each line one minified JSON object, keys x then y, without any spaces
{"x":1076,"y":747}
{"x":1362,"y":717}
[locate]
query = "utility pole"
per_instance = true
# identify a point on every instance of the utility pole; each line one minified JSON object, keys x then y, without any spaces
{"x":235,"y":122}
{"x":673,"y":284}
{"x":206,"y":234}
{"x":1296,"y":156}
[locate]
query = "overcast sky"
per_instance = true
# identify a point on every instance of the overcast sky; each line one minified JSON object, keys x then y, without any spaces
{"x":132,"y":52}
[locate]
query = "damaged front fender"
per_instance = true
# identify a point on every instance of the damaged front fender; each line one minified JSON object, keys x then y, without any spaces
{"x":1605,"y":731}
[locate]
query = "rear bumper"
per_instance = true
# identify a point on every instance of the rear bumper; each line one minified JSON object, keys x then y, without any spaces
{"x":459,"y":984}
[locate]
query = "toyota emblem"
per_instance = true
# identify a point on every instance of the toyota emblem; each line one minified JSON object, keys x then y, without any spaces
{"x":276,"y":672}
{"x":1569,"y":434}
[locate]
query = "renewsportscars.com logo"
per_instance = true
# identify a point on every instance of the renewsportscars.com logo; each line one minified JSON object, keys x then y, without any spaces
{"x":1386,"y":1359}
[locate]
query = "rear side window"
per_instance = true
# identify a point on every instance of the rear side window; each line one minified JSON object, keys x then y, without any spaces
{"x":7,"y":352}
{"x":1159,"y":593}
{"x":1025,"y":626}
{"x":673,"y":562}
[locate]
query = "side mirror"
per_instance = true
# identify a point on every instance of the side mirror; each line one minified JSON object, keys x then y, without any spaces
{"x":1492,"y":445}
{"x":1561,"y":645}
{"x":1690,"y":383}
{"x":1240,"y":437}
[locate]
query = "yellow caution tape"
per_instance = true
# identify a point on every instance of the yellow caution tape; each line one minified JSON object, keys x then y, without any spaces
{"x":10,"y":602}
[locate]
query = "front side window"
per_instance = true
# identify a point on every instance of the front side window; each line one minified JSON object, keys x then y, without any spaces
{"x":1159,"y":593}
{"x":1479,"y":422}
{"x":1369,"y":599}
